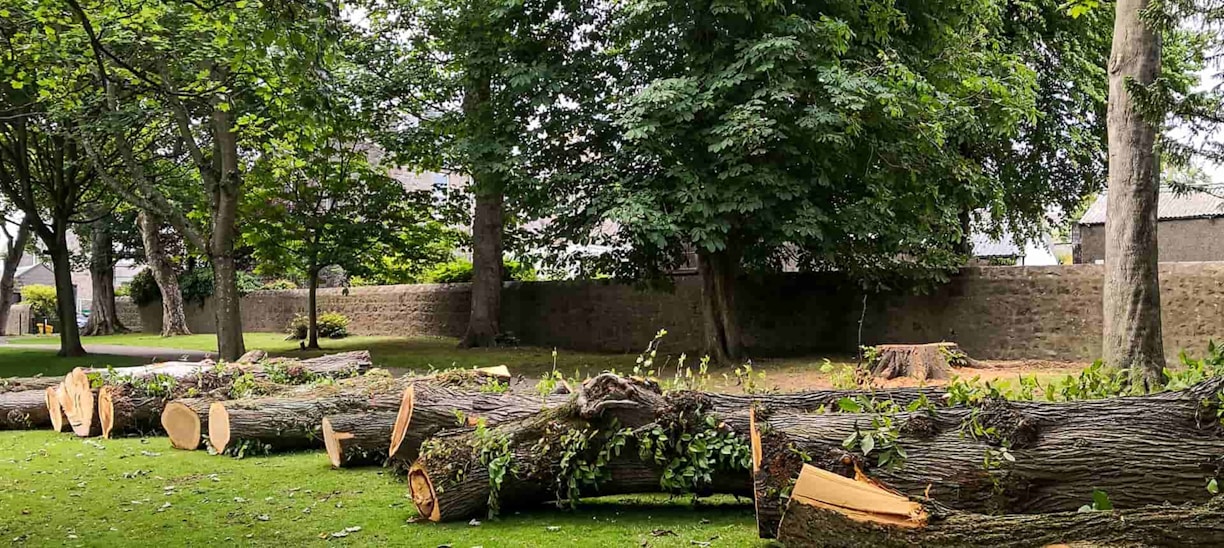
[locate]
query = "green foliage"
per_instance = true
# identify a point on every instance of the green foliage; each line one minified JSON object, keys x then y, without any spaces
{"x":1100,"y":502}
{"x":244,"y":385}
{"x":460,"y":271}
{"x":494,"y":386}
{"x":882,"y":438}
{"x":41,"y":298}
{"x":331,"y":325}
{"x":279,"y":284}
{"x":691,"y":456}
{"x":144,"y":289}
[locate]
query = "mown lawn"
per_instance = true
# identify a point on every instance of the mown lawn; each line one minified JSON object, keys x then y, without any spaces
{"x":56,"y":489}
{"x":25,"y":362}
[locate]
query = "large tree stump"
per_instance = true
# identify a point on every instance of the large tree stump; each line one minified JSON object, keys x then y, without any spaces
{"x":933,"y":361}
{"x":1011,"y":457}
{"x":829,"y":510}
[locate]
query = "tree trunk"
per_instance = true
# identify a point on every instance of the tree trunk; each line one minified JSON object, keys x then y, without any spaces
{"x":174,"y":321}
{"x":919,"y":361}
{"x":487,"y":223}
{"x":123,"y":409}
{"x":356,"y":439}
{"x":19,"y":384}
{"x":312,"y":306}
{"x":1141,"y":450}
{"x":828,"y":510}
{"x":287,"y":423}
{"x":483,"y":324}
{"x":723,"y":337}
{"x":103,"y":316}
{"x":24,"y":410}
{"x":185,"y":422}
{"x":1132,"y":337}
{"x":12,"y":259}
{"x":230,"y":345}
{"x":226,"y":195}
{"x":65,"y":296}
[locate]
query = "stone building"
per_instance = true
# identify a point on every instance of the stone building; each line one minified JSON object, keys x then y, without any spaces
{"x":1190,"y":228}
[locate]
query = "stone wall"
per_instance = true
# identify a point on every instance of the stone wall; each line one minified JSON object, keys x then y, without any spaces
{"x":993,"y":312}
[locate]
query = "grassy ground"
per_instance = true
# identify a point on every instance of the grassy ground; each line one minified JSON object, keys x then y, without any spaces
{"x":59,"y":490}
{"x":24,"y":362}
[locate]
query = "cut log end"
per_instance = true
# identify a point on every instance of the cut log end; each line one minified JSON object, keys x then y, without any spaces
{"x":182,"y":424}
{"x":106,"y":410}
{"x":58,"y":420}
{"x":402,"y":420}
{"x":332,"y":441}
{"x":423,"y":495}
{"x":858,"y":499}
{"x":218,"y":427}
{"x":78,"y":401}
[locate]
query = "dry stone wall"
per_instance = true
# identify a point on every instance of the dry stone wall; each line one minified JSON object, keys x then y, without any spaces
{"x":992,"y":312}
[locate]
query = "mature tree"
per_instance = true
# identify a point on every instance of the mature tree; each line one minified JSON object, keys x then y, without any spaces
{"x":110,"y":239}
{"x":487,"y":88}
{"x":153,"y":237}
{"x":14,"y":249}
{"x":213,"y":75}
{"x":318,"y":201}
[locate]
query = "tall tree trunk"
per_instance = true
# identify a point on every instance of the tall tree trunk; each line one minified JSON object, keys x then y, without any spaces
{"x":103,"y":316}
{"x":174,"y":321}
{"x":226,"y":192}
{"x":312,"y":304}
{"x":65,"y":295}
{"x":487,"y":226}
{"x":1132,"y":337}
{"x":12,"y":259}
{"x":723,"y":337}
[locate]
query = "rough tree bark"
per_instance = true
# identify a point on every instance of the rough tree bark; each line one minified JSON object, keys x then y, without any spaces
{"x":103,"y":317}
{"x":1132,"y":336}
{"x":487,"y":226}
{"x":1141,"y":450}
{"x":15,"y":250}
{"x":24,"y":410}
{"x":723,"y":337}
{"x":828,"y":510}
{"x":174,"y":321}
{"x":312,"y":307}
{"x":65,"y":293}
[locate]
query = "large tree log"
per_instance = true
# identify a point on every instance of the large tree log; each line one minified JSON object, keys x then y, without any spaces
{"x":355,"y":439}
{"x":24,"y":410}
{"x":185,"y":422}
{"x":122,"y":408}
{"x":77,"y":398}
{"x":59,"y":420}
{"x":1011,"y":457}
{"x":829,"y":510}
{"x":20,"y":384}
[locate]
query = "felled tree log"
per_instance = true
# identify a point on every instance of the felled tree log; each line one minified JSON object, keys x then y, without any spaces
{"x":77,"y":398}
{"x":24,"y":410}
{"x":427,"y":408}
{"x":122,"y":408}
{"x":613,"y":439}
{"x":829,"y":510}
{"x":21,"y":384}
{"x":59,"y":420}
{"x":185,"y":422}
{"x":1011,"y":457}
{"x":919,"y":361}
{"x":356,"y":439}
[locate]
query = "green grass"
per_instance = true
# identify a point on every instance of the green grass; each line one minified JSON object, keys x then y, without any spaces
{"x":25,"y":362}
{"x":59,"y":490}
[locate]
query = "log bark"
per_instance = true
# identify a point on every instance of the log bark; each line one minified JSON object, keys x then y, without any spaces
{"x":723,"y":335}
{"x":125,"y":410}
{"x":174,"y":320}
{"x":287,"y":423}
{"x":933,"y":361}
{"x":1141,"y":450}
{"x":824,"y":511}
{"x":356,"y":439}
{"x":20,"y":384}
{"x":24,"y":410}
{"x":1132,"y":332}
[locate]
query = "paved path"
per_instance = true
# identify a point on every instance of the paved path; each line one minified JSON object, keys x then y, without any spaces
{"x":150,"y":352}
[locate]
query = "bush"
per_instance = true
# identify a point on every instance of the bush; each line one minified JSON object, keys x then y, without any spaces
{"x":332,"y":325}
{"x":197,"y":284}
{"x":41,"y":299}
{"x":143,"y":288}
{"x":278,"y":284}
{"x":460,"y":271}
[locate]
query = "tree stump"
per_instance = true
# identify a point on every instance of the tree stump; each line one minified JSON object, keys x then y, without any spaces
{"x":932,"y":361}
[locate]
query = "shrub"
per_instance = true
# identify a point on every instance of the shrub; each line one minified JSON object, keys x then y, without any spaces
{"x":143,"y":288}
{"x":41,"y":298}
{"x":332,"y":325}
{"x":460,"y":271}
{"x":197,"y":284}
{"x":124,"y":290}
{"x":279,"y":284}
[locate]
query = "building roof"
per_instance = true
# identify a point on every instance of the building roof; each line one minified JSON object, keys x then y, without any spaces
{"x":21,"y":271}
{"x":1195,"y":205}
{"x":986,"y":247}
